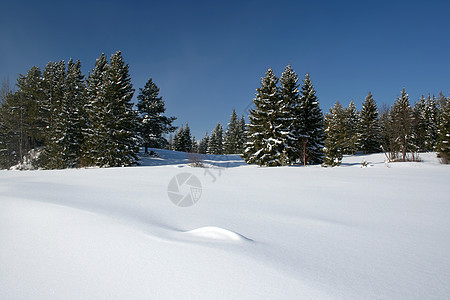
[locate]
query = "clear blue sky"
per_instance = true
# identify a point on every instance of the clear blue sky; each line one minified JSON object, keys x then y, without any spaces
{"x":207,"y":57}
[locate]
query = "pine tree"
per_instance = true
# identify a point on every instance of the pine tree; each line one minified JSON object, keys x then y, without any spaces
{"x":153,"y":124}
{"x":203,"y":145}
{"x":420,"y":123}
{"x":182,"y":140}
{"x":351,"y":116}
{"x":431,"y":132}
{"x":369,"y":132}
{"x":187,"y":139}
{"x":231,"y":138}
{"x":444,"y":132}
{"x":215,"y":144}
{"x":266,"y":144}
{"x":402,"y":118}
{"x":335,"y":135}
{"x":177,"y":140}
{"x":54,"y":83}
{"x":242,"y":136}
{"x":113,"y":122}
{"x":292,"y":115}
{"x":96,"y":129}
{"x":311,"y":127}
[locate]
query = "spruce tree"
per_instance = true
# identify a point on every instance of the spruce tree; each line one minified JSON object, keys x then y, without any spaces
{"x":54,"y":82}
{"x":420,"y":123}
{"x":431,"y":132}
{"x":351,"y":116}
{"x":203,"y":145}
{"x":292,"y":117}
{"x":311,"y":128}
{"x":96,"y":108}
{"x":153,"y":124}
{"x":267,"y":133}
{"x":402,"y":118}
{"x":444,"y":132}
{"x":186,"y":139}
{"x":369,"y":132}
{"x":113,"y":130}
{"x":335,"y":135}
{"x":215,"y":144}
{"x":231,"y":138}
{"x":242,"y":136}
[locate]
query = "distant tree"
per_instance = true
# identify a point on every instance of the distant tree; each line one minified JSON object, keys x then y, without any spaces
{"x":231,"y":138}
{"x":242,"y":136}
{"x":369,"y":132}
{"x":215,"y":144}
{"x":203,"y":145}
{"x":351,"y":119}
{"x":335,"y":135}
{"x":444,"y":132}
{"x":182,"y":140}
{"x":153,"y":124}
{"x":402,"y":118}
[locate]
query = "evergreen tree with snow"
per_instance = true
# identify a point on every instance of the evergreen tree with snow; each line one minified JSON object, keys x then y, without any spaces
{"x":402,"y":118}
{"x":444,"y":132}
{"x":182,"y":140}
{"x":242,"y":135}
{"x":96,"y":109}
{"x":420,"y":123}
{"x":68,"y":119}
{"x":431,"y":132}
{"x":335,"y":135}
{"x":369,"y":132}
{"x":153,"y":124}
{"x":113,"y":134}
{"x":215,"y":144}
{"x":292,"y":117}
{"x":311,"y":127}
{"x":231,"y":138}
{"x":351,"y":117}
{"x":203,"y":145}
{"x":266,"y":144}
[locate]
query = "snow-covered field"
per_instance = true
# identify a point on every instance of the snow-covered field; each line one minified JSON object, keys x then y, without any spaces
{"x":381,"y":232}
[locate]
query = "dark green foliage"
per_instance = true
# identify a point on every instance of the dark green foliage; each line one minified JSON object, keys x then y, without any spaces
{"x":293,"y":117}
{"x":335,"y":135}
{"x":153,"y":124}
{"x":311,"y":128}
{"x":351,"y":120}
{"x":182,"y":140}
{"x":369,"y":132}
{"x":444,"y":132}
{"x":242,"y":137}
{"x":232,"y":135}
{"x":266,"y":132}
{"x":111,"y":140}
{"x":402,"y":125}
{"x":203,"y":145}
{"x":215,"y":143}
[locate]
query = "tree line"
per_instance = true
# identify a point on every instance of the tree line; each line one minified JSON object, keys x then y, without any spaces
{"x":59,"y":118}
{"x":288,"y":127}
{"x":71,"y":120}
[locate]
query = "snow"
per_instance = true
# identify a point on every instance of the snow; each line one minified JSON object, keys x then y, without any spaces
{"x":380,"y":232}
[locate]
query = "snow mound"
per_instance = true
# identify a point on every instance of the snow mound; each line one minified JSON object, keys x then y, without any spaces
{"x":216,"y":233}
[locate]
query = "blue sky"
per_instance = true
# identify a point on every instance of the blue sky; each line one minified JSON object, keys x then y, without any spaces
{"x":207,"y":57}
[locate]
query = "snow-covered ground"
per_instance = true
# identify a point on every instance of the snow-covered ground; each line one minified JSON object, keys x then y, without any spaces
{"x":381,"y":232}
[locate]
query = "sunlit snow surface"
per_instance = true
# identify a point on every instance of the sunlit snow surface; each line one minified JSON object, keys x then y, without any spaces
{"x":381,"y":232}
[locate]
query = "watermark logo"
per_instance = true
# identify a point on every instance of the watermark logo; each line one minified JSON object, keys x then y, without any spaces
{"x":184,"y":189}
